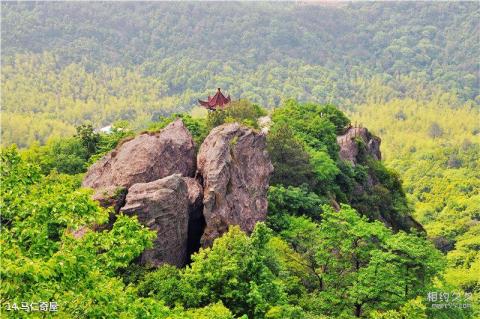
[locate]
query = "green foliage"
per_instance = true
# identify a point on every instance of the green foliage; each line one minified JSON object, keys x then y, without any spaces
{"x":289,"y":158}
{"x":303,"y":147}
{"x":414,"y":309}
{"x":220,"y":273}
{"x":312,"y":123}
{"x":66,"y":155}
{"x":242,"y":111}
{"x":318,"y":264}
{"x":214,"y":311}
{"x":352,"y":266}
{"x":162,"y":284}
{"x":40,"y":257}
{"x":74,"y":154}
{"x":324,"y":168}
{"x":57,"y":76}
{"x":407,"y":71}
{"x":440,"y":176}
{"x":50,"y":254}
{"x":238,"y":270}
{"x":89,"y":138}
{"x":384,"y":200}
{"x":334,"y":115}
{"x":435,"y":130}
{"x":284,"y":202}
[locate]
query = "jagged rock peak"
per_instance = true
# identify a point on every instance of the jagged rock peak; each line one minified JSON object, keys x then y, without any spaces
{"x":145,"y":158}
{"x":163,"y":206}
{"x":235,"y":167}
{"x":349,"y":144}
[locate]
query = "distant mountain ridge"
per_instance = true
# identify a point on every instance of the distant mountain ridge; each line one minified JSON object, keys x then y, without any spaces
{"x":64,"y":61}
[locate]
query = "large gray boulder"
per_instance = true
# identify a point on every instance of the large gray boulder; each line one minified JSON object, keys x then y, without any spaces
{"x":145,"y":158}
{"x":235,"y":167}
{"x":163,"y":206}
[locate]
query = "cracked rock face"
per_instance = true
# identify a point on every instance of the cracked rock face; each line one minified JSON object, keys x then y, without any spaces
{"x":163,"y":206}
{"x":349,"y":148}
{"x":145,"y":158}
{"x":236,"y":169}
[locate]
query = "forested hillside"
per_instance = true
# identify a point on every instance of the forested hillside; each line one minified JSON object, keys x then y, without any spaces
{"x":307,"y":260}
{"x":104,"y":62}
{"x":437,"y":153}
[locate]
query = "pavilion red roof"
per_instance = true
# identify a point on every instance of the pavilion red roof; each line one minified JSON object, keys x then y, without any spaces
{"x":217,"y":100}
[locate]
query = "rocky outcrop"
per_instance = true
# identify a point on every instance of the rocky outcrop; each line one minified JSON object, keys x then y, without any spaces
{"x":147,"y":157}
{"x":162,"y":205}
{"x":152,"y":177}
{"x":357,"y":140}
{"x":235,"y":168}
{"x":145,"y":176}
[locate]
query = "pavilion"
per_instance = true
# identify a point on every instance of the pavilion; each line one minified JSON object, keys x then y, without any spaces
{"x":217,"y":101}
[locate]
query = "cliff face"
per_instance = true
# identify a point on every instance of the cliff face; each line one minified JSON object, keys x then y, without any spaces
{"x":152,"y":177}
{"x":236,"y":168}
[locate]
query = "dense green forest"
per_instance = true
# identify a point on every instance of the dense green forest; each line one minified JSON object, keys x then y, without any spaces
{"x":437,"y":152}
{"x":70,"y":63}
{"x":407,"y":71}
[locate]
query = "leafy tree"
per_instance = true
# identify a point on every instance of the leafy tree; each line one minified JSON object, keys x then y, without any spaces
{"x":49,"y":253}
{"x":162,"y":284}
{"x":41,"y":259}
{"x":239,"y":271}
{"x":221,"y":273}
{"x":67,"y":155}
{"x":51,"y":85}
{"x":287,"y":201}
{"x":414,"y":309}
{"x":311,"y":124}
{"x":290,"y":160}
{"x":89,"y":138}
{"x":435,"y":130}
{"x":439,"y":176}
{"x":357,"y":266}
